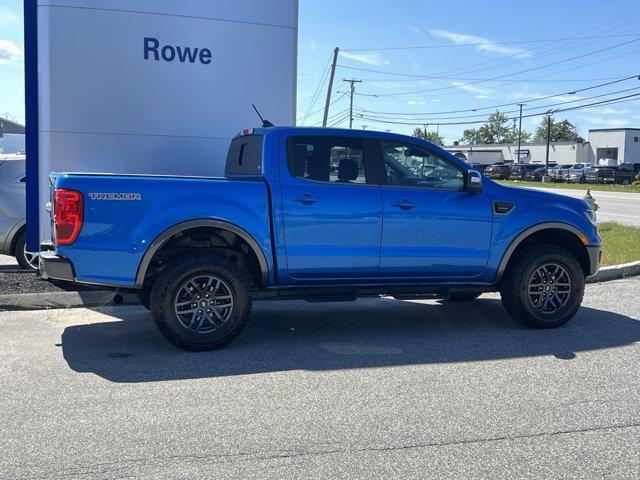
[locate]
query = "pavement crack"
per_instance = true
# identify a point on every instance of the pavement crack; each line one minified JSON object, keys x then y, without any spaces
{"x":120,"y":465}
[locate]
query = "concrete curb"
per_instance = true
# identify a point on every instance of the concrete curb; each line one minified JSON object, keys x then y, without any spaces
{"x":616,"y":272}
{"x":49,"y":300}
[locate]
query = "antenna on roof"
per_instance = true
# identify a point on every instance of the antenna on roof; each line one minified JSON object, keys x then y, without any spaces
{"x":265,"y":123}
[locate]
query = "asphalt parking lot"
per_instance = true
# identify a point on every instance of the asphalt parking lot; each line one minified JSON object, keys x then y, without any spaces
{"x":377,"y":388}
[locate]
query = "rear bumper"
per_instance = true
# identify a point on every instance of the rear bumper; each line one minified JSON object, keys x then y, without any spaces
{"x":595,"y":252}
{"x":53,"y":266}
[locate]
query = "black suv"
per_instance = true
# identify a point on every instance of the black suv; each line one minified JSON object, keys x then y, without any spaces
{"x":519,"y":170}
{"x":600,"y":174}
{"x":626,"y":173}
{"x":498,"y":171}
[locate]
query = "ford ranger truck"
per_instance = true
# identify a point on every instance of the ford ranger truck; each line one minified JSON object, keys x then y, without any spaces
{"x":323,"y":215}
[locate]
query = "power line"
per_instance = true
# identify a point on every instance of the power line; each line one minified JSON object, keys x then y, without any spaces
{"x":335,"y":100}
{"x":317,"y":90}
{"x":571,"y":92}
{"x":488,"y":79}
{"x":500,"y":62}
{"x":611,"y":101}
{"x":513,"y":42}
{"x":545,"y":107}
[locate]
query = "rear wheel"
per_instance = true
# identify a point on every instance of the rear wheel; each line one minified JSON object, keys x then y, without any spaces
{"x":27,"y":260}
{"x":544,"y":286}
{"x":200,"y":302}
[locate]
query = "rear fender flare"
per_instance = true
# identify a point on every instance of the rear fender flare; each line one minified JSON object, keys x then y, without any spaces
{"x":165,"y":236}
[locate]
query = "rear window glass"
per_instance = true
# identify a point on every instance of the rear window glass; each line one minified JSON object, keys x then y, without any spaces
{"x":245,"y":156}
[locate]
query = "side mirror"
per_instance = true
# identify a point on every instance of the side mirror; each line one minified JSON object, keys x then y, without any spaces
{"x":473,"y":182}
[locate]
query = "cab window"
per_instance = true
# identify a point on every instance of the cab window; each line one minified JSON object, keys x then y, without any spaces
{"x":412,"y":166}
{"x":331,"y":160}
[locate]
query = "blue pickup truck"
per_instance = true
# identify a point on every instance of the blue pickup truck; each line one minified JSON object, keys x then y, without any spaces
{"x":323,"y":215}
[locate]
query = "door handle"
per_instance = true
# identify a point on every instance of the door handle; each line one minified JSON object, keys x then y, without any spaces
{"x":306,"y":199}
{"x":404,"y":204}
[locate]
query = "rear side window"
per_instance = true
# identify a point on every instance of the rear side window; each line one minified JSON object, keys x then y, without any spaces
{"x":324,"y":159}
{"x":245,"y":156}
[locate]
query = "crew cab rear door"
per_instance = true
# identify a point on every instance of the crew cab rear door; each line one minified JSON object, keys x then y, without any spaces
{"x":432,"y":226}
{"x":331,"y":208}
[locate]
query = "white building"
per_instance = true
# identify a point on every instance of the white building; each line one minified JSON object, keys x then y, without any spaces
{"x":610,"y":145}
{"x":619,"y":144}
{"x":559,"y":152}
{"x":152,"y":86}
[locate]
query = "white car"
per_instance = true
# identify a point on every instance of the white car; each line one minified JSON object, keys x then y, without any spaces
{"x":576,"y":173}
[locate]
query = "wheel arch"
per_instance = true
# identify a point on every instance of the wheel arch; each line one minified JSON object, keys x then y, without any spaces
{"x":556,"y":233}
{"x":12,"y":236}
{"x":163,"y":238}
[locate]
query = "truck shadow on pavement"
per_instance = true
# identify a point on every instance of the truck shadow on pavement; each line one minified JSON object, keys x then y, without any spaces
{"x":369,"y":333}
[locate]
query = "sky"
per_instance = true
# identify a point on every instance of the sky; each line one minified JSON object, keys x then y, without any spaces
{"x":440,"y":64}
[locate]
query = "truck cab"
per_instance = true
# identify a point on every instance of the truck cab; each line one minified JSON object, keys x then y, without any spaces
{"x":320,"y":214}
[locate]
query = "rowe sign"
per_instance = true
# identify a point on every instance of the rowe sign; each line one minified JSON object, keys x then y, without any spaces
{"x":169,"y":53}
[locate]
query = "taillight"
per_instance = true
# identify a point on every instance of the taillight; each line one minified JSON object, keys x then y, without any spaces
{"x":67,"y":215}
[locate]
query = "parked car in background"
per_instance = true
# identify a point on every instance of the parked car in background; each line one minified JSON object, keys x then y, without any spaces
{"x":498,"y":171}
{"x":557,"y":172}
{"x":576,"y":173}
{"x":519,"y":170}
{"x":480,"y":167}
{"x":626,"y":173}
{"x":601,"y":174}
{"x":535,"y":175}
{"x":12,"y":211}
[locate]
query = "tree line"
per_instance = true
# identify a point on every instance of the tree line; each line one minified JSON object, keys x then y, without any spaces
{"x":500,"y":129}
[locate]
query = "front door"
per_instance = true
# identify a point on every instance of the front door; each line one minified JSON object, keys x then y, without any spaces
{"x":432,"y":227}
{"x":332,"y":211}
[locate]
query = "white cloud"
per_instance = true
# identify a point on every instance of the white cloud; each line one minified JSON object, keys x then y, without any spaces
{"x":368,"y":58}
{"x":435,"y":100}
{"x":557,"y":98}
{"x":607,"y":122}
{"x":385,"y":85}
{"x":9,"y":51}
{"x":485,"y":92}
{"x":8,"y":16}
{"x":482,"y":97}
{"x":484,"y":44}
{"x":416,"y":30}
{"x":607,"y":110}
{"x":312,"y":44}
{"x":416,"y":102}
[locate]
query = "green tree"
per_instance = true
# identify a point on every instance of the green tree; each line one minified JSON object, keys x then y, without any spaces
{"x":432,"y":137}
{"x":563,"y":131}
{"x":496,"y":130}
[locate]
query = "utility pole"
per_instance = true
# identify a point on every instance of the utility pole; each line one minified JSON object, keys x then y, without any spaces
{"x":330,"y":87}
{"x":424,"y":129}
{"x":546,"y":161}
{"x":352,"y":81}
{"x":520,"y":131}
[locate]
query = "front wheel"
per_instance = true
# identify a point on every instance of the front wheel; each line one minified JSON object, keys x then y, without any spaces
{"x":200,"y":302}
{"x":544,"y":286}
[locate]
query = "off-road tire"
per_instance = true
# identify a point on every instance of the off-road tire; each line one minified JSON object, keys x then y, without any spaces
{"x":514,"y":287}
{"x":144,"y":297}
{"x":165,"y":289}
